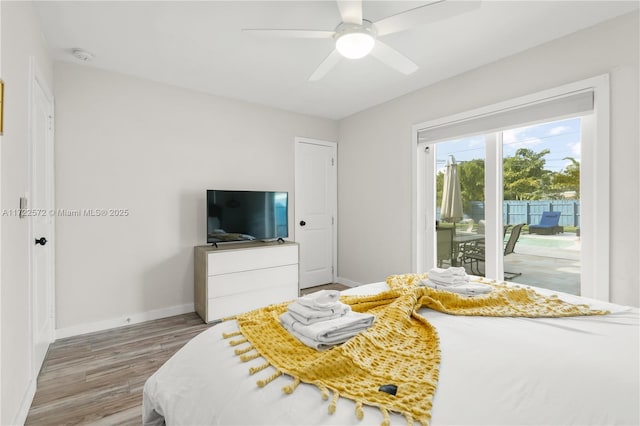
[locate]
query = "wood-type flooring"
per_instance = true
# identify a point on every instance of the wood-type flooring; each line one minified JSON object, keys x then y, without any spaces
{"x":98,"y":378}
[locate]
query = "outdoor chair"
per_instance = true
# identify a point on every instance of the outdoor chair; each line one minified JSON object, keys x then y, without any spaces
{"x":482,"y":224}
{"x":445,"y":244}
{"x":548,"y":224}
{"x":476,"y":254}
{"x":468,"y":223}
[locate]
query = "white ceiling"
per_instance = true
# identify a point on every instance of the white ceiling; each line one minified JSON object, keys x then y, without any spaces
{"x":199,"y":45}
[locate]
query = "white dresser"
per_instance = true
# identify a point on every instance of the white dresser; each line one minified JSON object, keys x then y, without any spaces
{"x":236,"y":278}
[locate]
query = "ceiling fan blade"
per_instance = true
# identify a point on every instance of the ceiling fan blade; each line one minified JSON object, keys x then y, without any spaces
{"x":326,"y":65}
{"x":431,"y":12}
{"x":350,"y":11}
{"x":290,"y":33}
{"x":393,"y":58}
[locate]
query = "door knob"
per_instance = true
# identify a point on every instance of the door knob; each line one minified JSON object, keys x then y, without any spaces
{"x":41,"y":241}
{"x":303,"y":223}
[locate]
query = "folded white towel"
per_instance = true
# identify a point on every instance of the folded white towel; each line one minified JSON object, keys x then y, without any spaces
{"x":450,"y":281}
{"x":469,"y":289}
{"x":330,"y":332}
{"x":311,"y":343}
{"x":323,"y":299}
{"x":451,"y":272}
{"x":307,"y":315}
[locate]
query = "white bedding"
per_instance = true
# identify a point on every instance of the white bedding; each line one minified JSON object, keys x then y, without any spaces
{"x":494,"y":371}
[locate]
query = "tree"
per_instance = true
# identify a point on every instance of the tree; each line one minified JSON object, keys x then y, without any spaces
{"x":525,"y":177}
{"x":471,"y":174}
{"x":568,"y":179}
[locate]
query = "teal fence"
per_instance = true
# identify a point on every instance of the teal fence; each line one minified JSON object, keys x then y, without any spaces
{"x":530,"y":212}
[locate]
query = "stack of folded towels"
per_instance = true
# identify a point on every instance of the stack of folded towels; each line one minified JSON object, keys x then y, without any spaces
{"x":456,"y":280}
{"x":320,"y":320}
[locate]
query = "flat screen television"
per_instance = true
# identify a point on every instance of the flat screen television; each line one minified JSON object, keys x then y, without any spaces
{"x":246,"y":215}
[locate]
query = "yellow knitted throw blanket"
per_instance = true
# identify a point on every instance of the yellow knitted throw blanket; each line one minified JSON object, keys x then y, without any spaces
{"x":401,"y":348}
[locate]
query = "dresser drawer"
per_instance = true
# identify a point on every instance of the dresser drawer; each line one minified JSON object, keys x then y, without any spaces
{"x":254,"y":280}
{"x":225,"y":262}
{"x":226,"y":306}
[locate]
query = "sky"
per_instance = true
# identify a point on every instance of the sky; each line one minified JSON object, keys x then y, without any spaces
{"x":561,"y":137}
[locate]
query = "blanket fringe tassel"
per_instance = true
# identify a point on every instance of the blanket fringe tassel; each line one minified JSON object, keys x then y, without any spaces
{"x":324,"y":391}
{"x":223,"y":319}
{"x":245,"y":356}
{"x":334,"y":402}
{"x":410,"y":421}
{"x":241,"y":351}
{"x":290,"y":388}
{"x":249,"y":357}
{"x":232,"y":334}
{"x":262,"y":383}
{"x":386,"y":419}
{"x":254,"y":370}
{"x":359,"y":410}
{"x":238,"y":342}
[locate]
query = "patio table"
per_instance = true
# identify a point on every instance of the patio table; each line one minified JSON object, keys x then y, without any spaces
{"x":459,"y":241}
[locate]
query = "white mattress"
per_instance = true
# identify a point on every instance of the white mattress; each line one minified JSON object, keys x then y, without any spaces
{"x":494,"y":371}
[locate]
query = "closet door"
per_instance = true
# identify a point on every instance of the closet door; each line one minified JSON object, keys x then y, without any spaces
{"x":316,"y":210}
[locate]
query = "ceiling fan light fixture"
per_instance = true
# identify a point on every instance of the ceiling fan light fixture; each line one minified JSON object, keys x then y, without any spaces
{"x":355,"y":45}
{"x":355,"y":41}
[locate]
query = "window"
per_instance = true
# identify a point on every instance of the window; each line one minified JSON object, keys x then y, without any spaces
{"x":588,"y":99}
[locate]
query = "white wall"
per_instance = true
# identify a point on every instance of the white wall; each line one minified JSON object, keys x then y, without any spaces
{"x":21,"y":38}
{"x":374,"y":233}
{"x":127,"y":143}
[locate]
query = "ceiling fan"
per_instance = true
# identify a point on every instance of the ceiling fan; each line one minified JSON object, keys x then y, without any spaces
{"x":356,"y":37}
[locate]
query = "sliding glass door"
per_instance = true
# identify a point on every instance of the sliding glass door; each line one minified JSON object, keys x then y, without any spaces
{"x":573,"y":181}
{"x":541,"y":190}
{"x":519,"y":196}
{"x":455,"y":234}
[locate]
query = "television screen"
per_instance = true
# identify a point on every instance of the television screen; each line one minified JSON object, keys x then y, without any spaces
{"x":246,"y":215}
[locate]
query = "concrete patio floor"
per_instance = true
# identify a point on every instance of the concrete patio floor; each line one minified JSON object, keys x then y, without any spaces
{"x":548,"y":261}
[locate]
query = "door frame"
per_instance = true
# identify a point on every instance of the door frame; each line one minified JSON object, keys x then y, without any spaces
{"x":1,"y":206}
{"x":334,"y":199}
{"x":36,"y":80}
{"x":594,"y":184}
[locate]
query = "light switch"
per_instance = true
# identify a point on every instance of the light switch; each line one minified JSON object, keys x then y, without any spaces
{"x":23,"y":207}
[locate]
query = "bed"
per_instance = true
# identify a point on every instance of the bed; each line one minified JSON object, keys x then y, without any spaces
{"x":579,"y":370}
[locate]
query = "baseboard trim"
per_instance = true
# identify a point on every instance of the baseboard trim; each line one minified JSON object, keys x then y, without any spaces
{"x":348,"y":283}
{"x":27,"y":400}
{"x":77,"y":330}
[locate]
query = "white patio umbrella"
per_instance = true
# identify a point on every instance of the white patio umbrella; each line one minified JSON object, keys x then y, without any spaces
{"x":451,"y":209}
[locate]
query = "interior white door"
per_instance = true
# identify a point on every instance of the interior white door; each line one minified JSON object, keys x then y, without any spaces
{"x":315,"y":210}
{"x":42,"y":215}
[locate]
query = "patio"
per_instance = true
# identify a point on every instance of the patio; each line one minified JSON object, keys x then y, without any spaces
{"x":547,"y":261}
